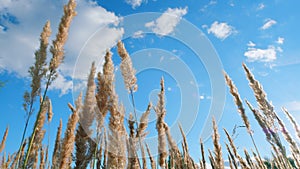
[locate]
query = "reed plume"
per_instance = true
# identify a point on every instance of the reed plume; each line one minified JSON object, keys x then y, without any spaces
{"x":160,"y":114}
{"x":293,"y":145}
{"x":57,"y":57}
{"x":57,"y":147}
{"x":261,"y":97}
{"x":2,"y":144}
{"x":57,"y":48}
{"x":235,"y":153}
{"x":131,"y":145}
{"x":293,"y":121}
{"x":128,"y":73}
{"x":219,"y":162}
{"x":69,"y":139}
{"x":83,"y":146}
{"x":203,"y":162}
{"x":37,"y":72}
{"x":231,"y":158}
{"x":175,"y":156}
{"x":127,"y":69}
{"x":39,"y":135}
{"x":234,"y":92}
{"x":42,"y":158}
{"x":116,"y":154}
{"x":238,"y":101}
{"x":143,"y":122}
{"x":104,"y":89}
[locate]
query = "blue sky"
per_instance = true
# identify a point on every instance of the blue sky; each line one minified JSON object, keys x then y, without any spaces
{"x":263,"y":34}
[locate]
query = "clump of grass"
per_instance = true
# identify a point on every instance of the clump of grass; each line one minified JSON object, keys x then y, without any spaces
{"x":114,"y":147}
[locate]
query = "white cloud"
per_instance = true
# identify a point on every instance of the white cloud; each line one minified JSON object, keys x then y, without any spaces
{"x":25,"y":36}
{"x":261,"y":55}
{"x":167,"y":22}
{"x":251,"y":44}
{"x":221,"y":30}
{"x":210,"y":3}
{"x":261,"y":6}
{"x":280,"y":40}
{"x":62,"y":84}
{"x":134,"y":3}
{"x":138,"y":34}
{"x":279,"y":49}
{"x":268,"y":23}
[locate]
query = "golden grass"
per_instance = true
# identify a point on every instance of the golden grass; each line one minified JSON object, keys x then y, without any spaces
{"x":114,"y":147}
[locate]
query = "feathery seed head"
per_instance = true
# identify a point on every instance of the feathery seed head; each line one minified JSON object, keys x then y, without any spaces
{"x":57,"y":48}
{"x":127,"y":69}
{"x":238,"y":101}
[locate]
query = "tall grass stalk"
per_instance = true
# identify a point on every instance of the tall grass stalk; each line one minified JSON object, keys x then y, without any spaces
{"x":57,"y":59}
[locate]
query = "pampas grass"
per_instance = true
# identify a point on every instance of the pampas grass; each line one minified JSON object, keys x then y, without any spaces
{"x":161,"y":113}
{"x":2,"y":144}
{"x":114,"y":148}
{"x":57,"y":147}
{"x":69,"y":139}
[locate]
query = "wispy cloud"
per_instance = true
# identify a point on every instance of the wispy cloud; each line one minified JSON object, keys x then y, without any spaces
{"x":221,"y":30}
{"x":210,"y":3}
{"x":251,"y":44}
{"x":138,"y":34}
{"x":261,"y":6}
{"x":167,"y":22}
{"x":134,"y":3}
{"x":63,"y":84}
{"x":262,"y":55}
{"x":280,"y":40}
{"x":268,"y":24}
{"x":25,"y":36}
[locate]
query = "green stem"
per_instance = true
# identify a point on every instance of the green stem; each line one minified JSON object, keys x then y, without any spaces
{"x":23,"y":137}
{"x":36,"y":121}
